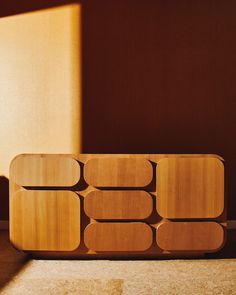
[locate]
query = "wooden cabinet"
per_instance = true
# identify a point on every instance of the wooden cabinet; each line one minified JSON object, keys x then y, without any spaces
{"x":131,"y":205}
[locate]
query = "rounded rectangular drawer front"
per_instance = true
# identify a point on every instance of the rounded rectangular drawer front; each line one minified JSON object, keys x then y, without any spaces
{"x":114,"y":236}
{"x":118,"y":172}
{"x":118,"y":204}
{"x":45,"y":170}
{"x":190,"y":187}
{"x":45,"y":220}
{"x":190,"y":236}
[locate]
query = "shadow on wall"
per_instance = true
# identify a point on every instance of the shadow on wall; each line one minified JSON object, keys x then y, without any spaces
{"x":11,"y":7}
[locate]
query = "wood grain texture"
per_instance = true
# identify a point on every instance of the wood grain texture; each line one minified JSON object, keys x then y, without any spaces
{"x":45,"y":220}
{"x":45,"y":170}
{"x":190,"y":187}
{"x":125,"y":236}
{"x":190,"y":236}
{"x":118,"y":172}
{"x":121,"y":240}
{"x":118,"y":204}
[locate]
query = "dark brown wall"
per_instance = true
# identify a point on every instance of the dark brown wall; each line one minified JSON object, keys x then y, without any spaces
{"x":160,"y":77}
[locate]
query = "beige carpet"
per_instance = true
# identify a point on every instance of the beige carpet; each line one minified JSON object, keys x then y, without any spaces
{"x":125,"y":277}
{"x":19,"y":275}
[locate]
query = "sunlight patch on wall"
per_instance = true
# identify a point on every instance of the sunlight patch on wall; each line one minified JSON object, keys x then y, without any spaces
{"x":40,"y":83}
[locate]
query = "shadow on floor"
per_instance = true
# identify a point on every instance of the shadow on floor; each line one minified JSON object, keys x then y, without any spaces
{"x":11,"y":260}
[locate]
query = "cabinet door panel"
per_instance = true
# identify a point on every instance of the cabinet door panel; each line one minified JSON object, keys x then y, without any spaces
{"x":190,"y":187}
{"x":133,"y":236}
{"x":190,"y":236}
{"x":45,"y":170}
{"x":45,"y":220}
{"x":118,"y":172}
{"x":118,"y":204}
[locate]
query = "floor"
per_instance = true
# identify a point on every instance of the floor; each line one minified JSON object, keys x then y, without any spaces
{"x":213,"y":276}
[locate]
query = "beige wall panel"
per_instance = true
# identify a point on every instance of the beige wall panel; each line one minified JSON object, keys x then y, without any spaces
{"x":40,"y":84}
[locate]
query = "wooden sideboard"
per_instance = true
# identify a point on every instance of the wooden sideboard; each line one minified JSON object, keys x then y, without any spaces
{"x":117,"y":205}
